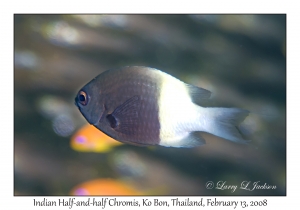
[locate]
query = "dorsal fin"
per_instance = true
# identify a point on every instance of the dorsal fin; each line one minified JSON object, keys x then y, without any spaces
{"x":198,"y":95}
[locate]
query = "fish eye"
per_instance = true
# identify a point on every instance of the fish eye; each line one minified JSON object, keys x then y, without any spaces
{"x":82,"y":98}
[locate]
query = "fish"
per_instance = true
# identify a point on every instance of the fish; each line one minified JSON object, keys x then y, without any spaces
{"x":104,"y":186}
{"x":90,"y":139}
{"x":145,"y":106}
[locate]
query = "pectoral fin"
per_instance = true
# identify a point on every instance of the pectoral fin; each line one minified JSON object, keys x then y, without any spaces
{"x":125,"y":116}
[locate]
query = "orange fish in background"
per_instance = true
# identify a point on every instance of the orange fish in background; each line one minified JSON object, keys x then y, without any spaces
{"x":90,"y":139}
{"x":104,"y":187}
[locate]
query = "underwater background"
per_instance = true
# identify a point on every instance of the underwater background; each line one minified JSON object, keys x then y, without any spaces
{"x":241,"y":59}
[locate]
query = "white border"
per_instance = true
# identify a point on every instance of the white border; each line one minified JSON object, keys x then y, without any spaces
{"x":127,"y":6}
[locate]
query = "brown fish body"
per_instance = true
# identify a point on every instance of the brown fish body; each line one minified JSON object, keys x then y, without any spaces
{"x":139,"y":88}
{"x":145,"y":106}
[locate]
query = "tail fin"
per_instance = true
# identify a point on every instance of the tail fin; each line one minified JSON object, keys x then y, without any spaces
{"x":225,"y":123}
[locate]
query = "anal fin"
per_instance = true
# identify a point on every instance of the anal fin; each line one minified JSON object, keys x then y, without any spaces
{"x":194,"y":139}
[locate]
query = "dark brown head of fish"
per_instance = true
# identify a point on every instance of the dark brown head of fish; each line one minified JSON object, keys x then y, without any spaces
{"x":89,"y":103}
{"x":122,"y":103}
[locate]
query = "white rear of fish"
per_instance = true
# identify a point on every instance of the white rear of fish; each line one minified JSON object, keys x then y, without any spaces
{"x":179,"y":117}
